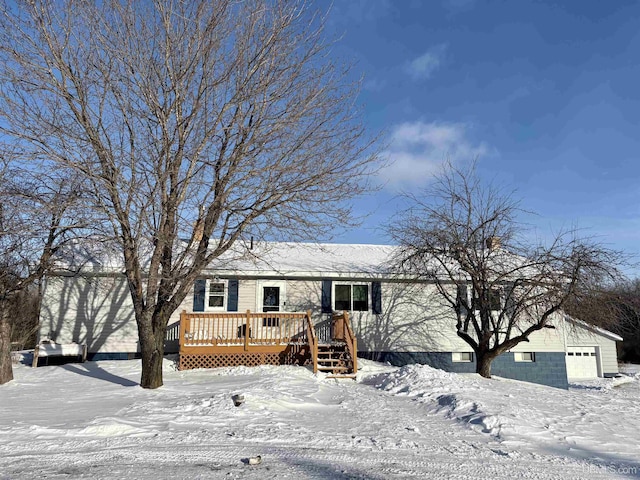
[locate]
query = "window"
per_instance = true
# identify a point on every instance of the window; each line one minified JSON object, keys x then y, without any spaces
{"x":462,"y":356}
{"x":216,"y":297}
{"x":494,"y":299}
{"x":462,"y":300}
{"x":524,"y":357}
{"x":493,"y":296}
{"x":351,"y":297}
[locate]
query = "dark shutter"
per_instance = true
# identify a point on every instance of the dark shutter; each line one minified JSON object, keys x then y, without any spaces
{"x":510,"y":303}
{"x":199,"y":290}
{"x":232,"y":296}
{"x":462,"y":300}
{"x":326,"y":296}
{"x":376,"y":297}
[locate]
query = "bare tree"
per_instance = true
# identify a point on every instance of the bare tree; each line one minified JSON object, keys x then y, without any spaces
{"x":466,"y":238}
{"x":627,"y":309}
{"x":198,"y":124}
{"x":616,"y":308}
{"x":37,"y":217}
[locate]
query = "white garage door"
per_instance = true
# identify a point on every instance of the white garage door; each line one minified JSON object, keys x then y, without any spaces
{"x":582,"y":362}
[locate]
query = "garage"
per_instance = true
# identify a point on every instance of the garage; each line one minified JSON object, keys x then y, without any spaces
{"x":582,"y":362}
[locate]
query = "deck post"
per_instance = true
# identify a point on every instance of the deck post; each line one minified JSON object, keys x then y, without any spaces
{"x":313,"y":342}
{"x":247,"y":330}
{"x":183,"y":329}
{"x":354,"y":341}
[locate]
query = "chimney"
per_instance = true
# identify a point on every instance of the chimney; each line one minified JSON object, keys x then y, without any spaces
{"x":198,"y":227}
{"x":198,"y":231}
{"x":493,"y":243}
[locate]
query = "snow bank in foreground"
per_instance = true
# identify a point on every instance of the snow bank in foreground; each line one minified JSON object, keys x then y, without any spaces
{"x":591,"y":420}
{"x":448,"y":393}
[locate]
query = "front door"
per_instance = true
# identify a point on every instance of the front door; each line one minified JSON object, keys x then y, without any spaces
{"x":272,"y":299}
{"x":272,"y":296}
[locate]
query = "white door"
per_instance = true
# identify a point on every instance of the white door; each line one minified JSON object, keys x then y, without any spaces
{"x":582,"y":362}
{"x":272,"y":296}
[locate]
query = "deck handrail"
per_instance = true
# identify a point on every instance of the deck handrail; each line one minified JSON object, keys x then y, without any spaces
{"x":313,"y":342}
{"x":244,"y":329}
{"x":347,"y":335}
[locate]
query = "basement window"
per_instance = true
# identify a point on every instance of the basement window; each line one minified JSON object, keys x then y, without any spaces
{"x":524,"y":356}
{"x":462,"y":356}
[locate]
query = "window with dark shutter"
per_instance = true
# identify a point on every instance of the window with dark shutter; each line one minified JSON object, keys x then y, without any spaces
{"x":326,"y":296}
{"x":232,"y":301}
{"x":199,"y":292}
{"x":376,"y":297}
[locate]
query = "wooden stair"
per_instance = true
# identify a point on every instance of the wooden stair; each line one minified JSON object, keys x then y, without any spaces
{"x":335,"y":359}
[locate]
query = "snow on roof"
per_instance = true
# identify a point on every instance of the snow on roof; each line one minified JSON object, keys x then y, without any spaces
{"x":270,"y":258}
{"x":279,"y":259}
{"x":593,"y":328}
{"x":309,"y":259}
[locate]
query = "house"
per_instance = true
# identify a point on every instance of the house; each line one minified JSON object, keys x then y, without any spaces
{"x":395,"y":319}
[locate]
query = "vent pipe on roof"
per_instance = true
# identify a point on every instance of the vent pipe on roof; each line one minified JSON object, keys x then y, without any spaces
{"x":251,"y":244}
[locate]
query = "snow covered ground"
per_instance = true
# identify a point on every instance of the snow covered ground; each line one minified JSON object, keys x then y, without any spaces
{"x":92,"y":420}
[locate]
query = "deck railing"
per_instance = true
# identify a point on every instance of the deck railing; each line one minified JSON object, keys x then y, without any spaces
{"x":250,"y":328}
{"x":250,"y":333}
{"x":342,"y":331}
{"x":324,"y":330}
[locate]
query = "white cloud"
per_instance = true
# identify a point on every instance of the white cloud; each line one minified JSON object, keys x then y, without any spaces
{"x":417,"y":150}
{"x":423,"y":67}
{"x":374,"y":85}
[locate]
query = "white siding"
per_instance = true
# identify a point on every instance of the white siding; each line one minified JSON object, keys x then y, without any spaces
{"x":413,"y":319}
{"x":303,"y":295}
{"x":545,"y":340}
{"x":92,"y":310}
{"x":416,"y":319}
{"x":246,"y":295}
{"x":98,"y":311}
{"x":246,"y":300}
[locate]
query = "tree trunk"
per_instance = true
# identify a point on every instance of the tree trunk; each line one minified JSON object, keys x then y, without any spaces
{"x":6,"y":371}
{"x":483,"y":364}
{"x":151,"y":333}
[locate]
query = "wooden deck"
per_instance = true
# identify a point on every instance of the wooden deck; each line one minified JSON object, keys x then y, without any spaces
{"x":210,"y":340}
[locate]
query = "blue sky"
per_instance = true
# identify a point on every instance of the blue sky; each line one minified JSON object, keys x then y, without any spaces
{"x":545,"y":94}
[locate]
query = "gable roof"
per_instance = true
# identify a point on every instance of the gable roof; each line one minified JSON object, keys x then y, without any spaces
{"x":308,"y":259}
{"x":280,"y":259}
{"x":593,"y":328}
{"x":264,"y":258}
